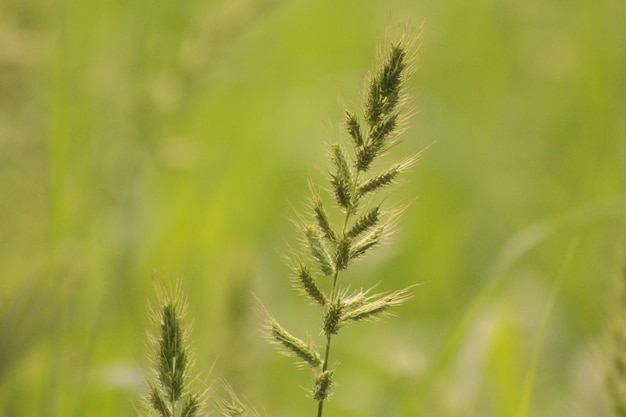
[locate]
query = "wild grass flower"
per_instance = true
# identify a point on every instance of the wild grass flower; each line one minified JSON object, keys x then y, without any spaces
{"x":354,"y":182}
{"x":169,"y":386}
{"x":327,"y":249}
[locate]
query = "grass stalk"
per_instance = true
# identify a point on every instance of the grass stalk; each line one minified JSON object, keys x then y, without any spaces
{"x":534,"y":361}
{"x":352,"y":187}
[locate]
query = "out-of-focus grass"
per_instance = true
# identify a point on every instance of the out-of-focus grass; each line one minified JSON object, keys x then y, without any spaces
{"x":172,"y":138}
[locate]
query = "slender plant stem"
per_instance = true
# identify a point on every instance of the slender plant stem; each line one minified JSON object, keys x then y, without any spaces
{"x":333,"y":291}
{"x":320,"y":405}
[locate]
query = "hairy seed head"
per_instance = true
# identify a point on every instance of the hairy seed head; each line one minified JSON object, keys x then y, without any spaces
{"x":377,"y":305}
{"x":354,"y":129}
{"x":318,"y":250}
{"x":382,"y":131}
{"x":332,"y":318}
{"x":367,"y":242}
{"x":384,"y":91}
{"x":341,"y":163}
{"x":378,"y":181}
{"x":294,"y":346}
{"x":172,"y":356}
{"x":309,"y":285}
{"x":158,"y":403}
{"x":342,"y":256}
{"x":323,"y":222}
{"x":323,"y":385}
{"x":364,"y":223}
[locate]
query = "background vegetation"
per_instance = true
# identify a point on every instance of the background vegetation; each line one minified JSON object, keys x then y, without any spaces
{"x":142,"y":138}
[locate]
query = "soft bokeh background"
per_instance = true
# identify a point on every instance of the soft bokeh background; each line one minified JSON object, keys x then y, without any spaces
{"x":173,"y":139}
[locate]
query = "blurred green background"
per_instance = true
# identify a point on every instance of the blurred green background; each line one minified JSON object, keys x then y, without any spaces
{"x":173,"y":139}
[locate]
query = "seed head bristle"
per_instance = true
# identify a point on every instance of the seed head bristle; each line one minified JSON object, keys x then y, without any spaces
{"x":377,"y":305}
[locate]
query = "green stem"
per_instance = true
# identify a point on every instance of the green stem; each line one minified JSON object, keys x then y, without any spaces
{"x":333,"y":290}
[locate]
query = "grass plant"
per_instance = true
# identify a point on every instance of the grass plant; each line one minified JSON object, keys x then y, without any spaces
{"x":335,"y":236}
{"x":169,"y":390}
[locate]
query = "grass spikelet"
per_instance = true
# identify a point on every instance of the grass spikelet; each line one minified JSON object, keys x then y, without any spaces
{"x":376,"y":306}
{"x":384,"y":90}
{"x":323,"y":385}
{"x":319,"y":251}
{"x":342,"y":256}
{"x":379,"y":181}
{"x":341,"y":163}
{"x":308,"y":285}
{"x":158,"y":403}
{"x":342,"y":179}
{"x":323,"y":222}
{"x":387,"y":177}
{"x":354,"y":129}
{"x":382,"y":131}
{"x":168,"y":384}
{"x":292,"y":346}
{"x":364,"y":223}
{"x":368,"y":242}
{"x":332,"y":318}
{"x":341,"y":191}
{"x":172,"y":355}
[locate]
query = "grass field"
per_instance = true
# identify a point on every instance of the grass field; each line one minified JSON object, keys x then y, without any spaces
{"x":174,"y":139}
